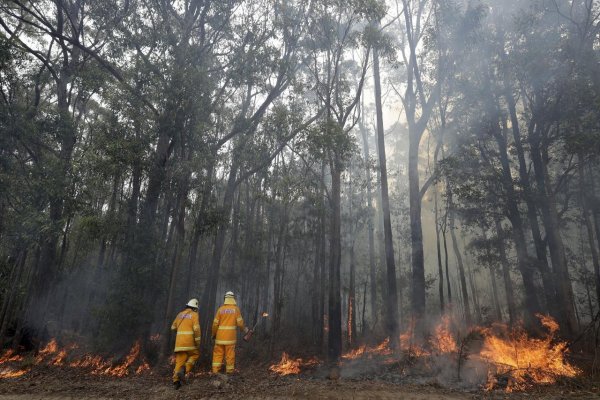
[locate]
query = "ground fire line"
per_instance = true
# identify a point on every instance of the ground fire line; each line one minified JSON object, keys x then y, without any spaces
{"x":514,"y":360}
{"x":52,"y":355}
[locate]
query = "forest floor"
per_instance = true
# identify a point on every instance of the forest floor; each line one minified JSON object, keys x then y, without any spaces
{"x":58,"y":383}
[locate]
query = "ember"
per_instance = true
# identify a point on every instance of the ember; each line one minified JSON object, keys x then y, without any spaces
{"x":155,"y":338}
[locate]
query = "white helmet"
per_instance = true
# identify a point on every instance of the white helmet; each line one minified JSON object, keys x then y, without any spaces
{"x":229,"y":295}
{"x":192,"y":303}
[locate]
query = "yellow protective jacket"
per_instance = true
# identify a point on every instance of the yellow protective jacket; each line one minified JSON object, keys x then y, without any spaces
{"x":187,"y":326}
{"x":226,"y":322}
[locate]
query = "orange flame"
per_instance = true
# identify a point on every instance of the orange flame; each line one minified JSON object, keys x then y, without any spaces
{"x":51,"y":348}
{"x":409,"y":344}
{"x":52,"y":354}
{"x":142,"y":368}
{"x":123,"y":369}
{"x":355,"y":353}
{"x":509,"y":353}
{"x":89,"y":361}
{"x":286,"y":366}
{"x":443,"y":341}
{"x":10,"y":356}
{"x":524,"y":360}
{"x":290,"y":366}
{"x":9,"y":373}
{"x":382,"y":349}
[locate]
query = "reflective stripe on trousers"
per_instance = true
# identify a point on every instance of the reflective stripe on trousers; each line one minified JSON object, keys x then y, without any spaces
{"x":185,"y":359}
{"x":225,"y":342}
{"x":223,"y":350}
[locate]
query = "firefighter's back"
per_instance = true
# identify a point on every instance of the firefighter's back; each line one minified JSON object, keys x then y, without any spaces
{"x":228,"y":322}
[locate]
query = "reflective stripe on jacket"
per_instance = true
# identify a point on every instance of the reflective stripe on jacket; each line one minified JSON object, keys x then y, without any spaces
{"x":225,"y":324}
{"x":187,"y":325}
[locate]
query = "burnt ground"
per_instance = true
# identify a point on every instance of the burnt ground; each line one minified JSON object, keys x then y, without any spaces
{"x":60,"y":383}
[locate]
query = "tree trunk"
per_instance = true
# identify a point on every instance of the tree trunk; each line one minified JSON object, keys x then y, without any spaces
{"x":497,"y":311}
{"x":474,"y":294}
{"x":439,"y":251}
{"x":508,"y":285}
{"x":540,"y":247}
{"x":179,"y":240}
{"x":324,"y":271}
{"x":595,"y":206}
{"x":392,"y":294}
{"x":335,"y":308}
{"x":459,"y":260}
{"x":370,"y":211}
{"x":210,"y":291}
{"x":231,"y":273}
{"x":352,"y":300}
{"x":588,"y":225}
{"x":445,"y":243}
{"x":317,"y":305}
{"x":547,"y":202}
{"x":8,"y":302}
{"x":532,"y":305}
{"x":278,"y":275}
{"x":200,"y":226}
{"x":45,"y":272}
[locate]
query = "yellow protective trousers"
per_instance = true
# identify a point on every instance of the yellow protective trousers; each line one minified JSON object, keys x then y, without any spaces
{"x":185,"y":358}
{"x":219,"y":351}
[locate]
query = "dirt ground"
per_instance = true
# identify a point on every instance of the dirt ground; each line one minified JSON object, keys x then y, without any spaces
{"x":46,"y":383}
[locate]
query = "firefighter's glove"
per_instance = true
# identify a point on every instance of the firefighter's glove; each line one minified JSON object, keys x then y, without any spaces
{"x":246,"y":330}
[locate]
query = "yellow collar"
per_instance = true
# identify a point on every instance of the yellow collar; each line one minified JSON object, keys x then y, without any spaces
{"x":230,"y":301}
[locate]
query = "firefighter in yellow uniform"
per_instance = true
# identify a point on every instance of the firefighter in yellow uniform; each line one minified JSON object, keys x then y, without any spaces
{"x":224,"y":333}
{"x":187,"y":342}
